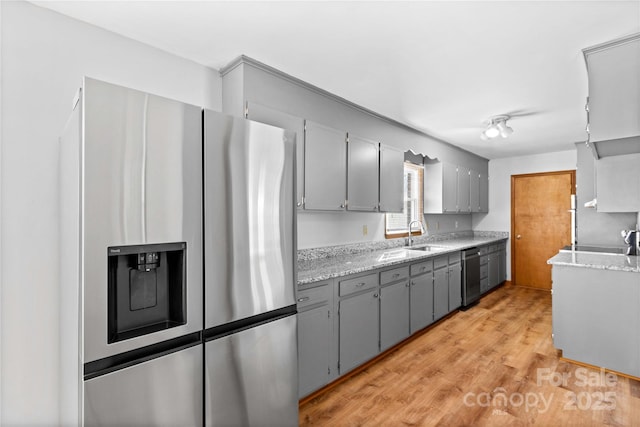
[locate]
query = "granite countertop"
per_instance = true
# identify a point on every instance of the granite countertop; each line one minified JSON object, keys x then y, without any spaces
{"x":342,"y":262}
{"x":600,"y":261}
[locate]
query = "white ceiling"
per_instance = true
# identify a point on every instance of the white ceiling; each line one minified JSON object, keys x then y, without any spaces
{"x":443,"y":67}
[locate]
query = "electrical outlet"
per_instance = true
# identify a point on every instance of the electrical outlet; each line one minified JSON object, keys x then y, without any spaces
{"x":365,"y":231}
{"x":456,"y":224}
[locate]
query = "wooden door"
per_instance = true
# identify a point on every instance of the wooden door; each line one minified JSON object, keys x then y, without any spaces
{"x":540,"y":224}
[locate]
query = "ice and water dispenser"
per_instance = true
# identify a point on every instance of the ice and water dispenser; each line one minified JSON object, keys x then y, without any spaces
{"x":146,"y":289}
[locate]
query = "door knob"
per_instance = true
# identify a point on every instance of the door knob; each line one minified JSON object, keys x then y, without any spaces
{"x":518,"y":237}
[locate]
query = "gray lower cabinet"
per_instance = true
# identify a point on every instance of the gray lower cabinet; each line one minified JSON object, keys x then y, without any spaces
{"x":421,"y":296}
{"x":440,"y":292}
{"x":394,"y":314}
{"x":596,"y":318}
{"x":502,"y":257}
{"x":494,"y":269}
{"x":359,"y":323}
{"x":394,"y":306}
{"x":316,"y":355}
{"x":455,"y":286}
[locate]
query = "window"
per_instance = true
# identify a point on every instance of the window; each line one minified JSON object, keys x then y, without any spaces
{"x":397,"y":224}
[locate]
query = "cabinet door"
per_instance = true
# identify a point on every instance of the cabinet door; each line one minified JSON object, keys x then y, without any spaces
{"x":474,"y":191}
{"x":263,"y":114}
{"x":618,"y":183}
{"x":463,"y":190}
{"x":449,"y":188}
{"x":455,"y":286}
{"x":494,"y":270}
{"x":484,"y":193}
{"x":359,"y":329}
{"x":314,"y":349}
{"x":421,"y":297}
{"x":502,"y":258}
{"x":391,"y":179}
{"x":394,"y":314}
{"x":325,"y":162}
{"x":440,"y":293}
{"x":362,"y":174}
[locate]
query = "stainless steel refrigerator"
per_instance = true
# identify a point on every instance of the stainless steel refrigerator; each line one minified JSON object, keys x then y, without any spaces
{"x":131,"y":270}
{"x":250,"y":254}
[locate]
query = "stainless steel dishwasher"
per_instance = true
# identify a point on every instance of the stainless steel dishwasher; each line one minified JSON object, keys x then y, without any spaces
{"x":471,"y":277}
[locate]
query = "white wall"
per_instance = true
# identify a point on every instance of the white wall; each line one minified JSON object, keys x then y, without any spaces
{"x":44,"y":56}
{"x":500,"y":171}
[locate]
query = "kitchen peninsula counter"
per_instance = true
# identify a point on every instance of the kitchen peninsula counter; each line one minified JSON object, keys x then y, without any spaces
{"x":596,"y":309}
{"x":337,"y":261}
{"x":597,"y":261}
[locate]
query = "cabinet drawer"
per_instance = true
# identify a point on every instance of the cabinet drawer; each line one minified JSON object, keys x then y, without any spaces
{"x":440,"y":262}
{"x":493,"y":248}
{"x":455,"y":257}
{"x":313,"y":296}
{"x":484,"y":271}
{"x":502,"y":246}
{"x":484,"y":250}
{"x":394,"y":275}
{"x":484,"y":259}
{"x":357,"y":284}
{"x":421,"y":267}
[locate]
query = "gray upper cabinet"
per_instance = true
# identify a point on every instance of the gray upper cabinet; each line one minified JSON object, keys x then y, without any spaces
{"x":325,"y":168}
{"x":362,"y":174}
{"x":478,"y":191}
{"x":453,"y":189}
{"x":440,"y":187}
{"x":614,"y":89}
{"x":263,"y":114}
{"x":463,"y":197}
{"x":391,"y":179}
{"x":618,"y":183}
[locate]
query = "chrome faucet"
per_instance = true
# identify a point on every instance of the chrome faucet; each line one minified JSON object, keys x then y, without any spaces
{"x":410,"y":224}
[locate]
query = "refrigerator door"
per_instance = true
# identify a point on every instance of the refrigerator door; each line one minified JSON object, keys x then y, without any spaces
{"x":142,"y":185}
{"x":250,"y":248}
{"x":251,"y":377}
{"x":166,"y":391}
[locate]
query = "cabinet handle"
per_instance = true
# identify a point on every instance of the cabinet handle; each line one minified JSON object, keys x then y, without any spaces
{"x":375,"y":295}
{"x":407,"y":285}
{"x":423,"y":268}
{"x":299,"y":204}
{"x":361,"y":284}
{"x":342,"y":206}
{"x":303,"y":299}
{"x":396,"y":275}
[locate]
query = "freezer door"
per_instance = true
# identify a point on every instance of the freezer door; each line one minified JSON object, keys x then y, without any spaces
{"x":251,"y":377}
{"x":142,"y":185}
{"x":249,"y":221}
{"x":166,"y":391}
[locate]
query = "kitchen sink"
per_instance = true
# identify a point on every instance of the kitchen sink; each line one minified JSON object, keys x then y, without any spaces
{"x":424,"y":248}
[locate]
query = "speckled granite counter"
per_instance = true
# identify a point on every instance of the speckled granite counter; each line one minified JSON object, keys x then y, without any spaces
{"x":336,"y":261}
{"x":600,"y":261}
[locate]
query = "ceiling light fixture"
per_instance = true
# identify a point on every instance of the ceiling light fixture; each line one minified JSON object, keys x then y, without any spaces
{"x":496,"y":126}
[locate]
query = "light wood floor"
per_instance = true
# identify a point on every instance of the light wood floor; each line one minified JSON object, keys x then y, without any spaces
{"x":492,"y":365}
